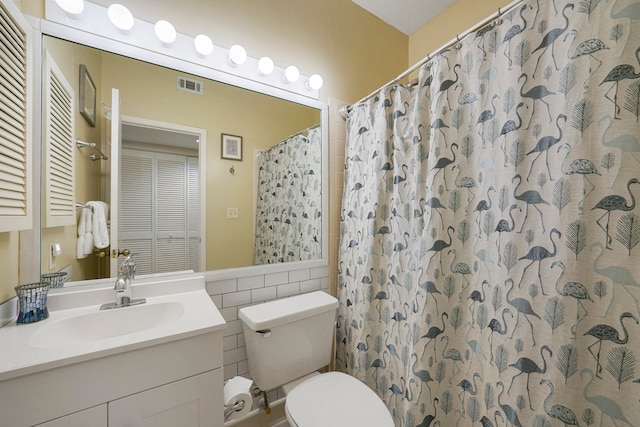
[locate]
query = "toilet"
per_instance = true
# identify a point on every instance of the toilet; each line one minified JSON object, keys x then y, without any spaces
{"x":288,"y":341}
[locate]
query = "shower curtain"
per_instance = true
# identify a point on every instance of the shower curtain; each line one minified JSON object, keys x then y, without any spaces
{"x":489,"y":261}
{"x":288,"y":220}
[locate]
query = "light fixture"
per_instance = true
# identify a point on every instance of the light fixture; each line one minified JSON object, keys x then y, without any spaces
{"x":73,"y":8}
{"x":291,"y":74}
{"x":203,"y":45}
{"x":265,"y":66}
{"x":315,"y":82}
{"x":165,"y":32}
{"x":120,"y":17}
{"x":237,"y":55}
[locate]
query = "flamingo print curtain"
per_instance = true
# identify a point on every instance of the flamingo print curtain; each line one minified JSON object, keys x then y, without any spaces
{"x":489,"y":249}
{"x":288,"y":220}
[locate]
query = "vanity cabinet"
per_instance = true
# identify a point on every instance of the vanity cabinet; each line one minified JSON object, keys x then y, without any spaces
{"x":153,"y":385}
{"x":188,"y":402}
{"x":94,"y":417}
{"x":153,"y":364}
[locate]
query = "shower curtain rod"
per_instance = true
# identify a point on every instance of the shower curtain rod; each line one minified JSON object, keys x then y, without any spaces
{"x":291,"y":136}
{"x":300,"y":132}
{"x":346,"y":109}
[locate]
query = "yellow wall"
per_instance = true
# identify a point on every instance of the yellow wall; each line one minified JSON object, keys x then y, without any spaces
{"x":9,"y":248}
{"x":149,"y":92}
{"x":354,"y":51}
{"x":456,"y":19}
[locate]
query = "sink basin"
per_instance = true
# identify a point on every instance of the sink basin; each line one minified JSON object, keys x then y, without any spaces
{"x":105,"y":324}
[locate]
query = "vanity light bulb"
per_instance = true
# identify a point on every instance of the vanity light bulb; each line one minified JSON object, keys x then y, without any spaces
{"x":165,"y":32}
{"x":291,"y":74}
{"x":73,"y":8}
{"x":265,"y":66}
{"x":120,"y":17}
{"x":315,"y":82}
{"x":203,"y":45}
{"x":237,"y":55}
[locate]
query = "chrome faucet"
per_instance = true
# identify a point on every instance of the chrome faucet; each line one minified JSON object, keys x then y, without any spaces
{"x":126,"y":274}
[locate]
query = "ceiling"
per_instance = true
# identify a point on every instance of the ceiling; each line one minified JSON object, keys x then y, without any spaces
{"x":149,"y":135}
{"x":405,"y":15}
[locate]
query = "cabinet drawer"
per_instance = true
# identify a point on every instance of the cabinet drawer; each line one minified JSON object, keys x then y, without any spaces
{"x":94,"y":417}
{"x":192,"y":402}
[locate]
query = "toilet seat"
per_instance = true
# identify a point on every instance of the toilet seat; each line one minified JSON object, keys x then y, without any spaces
{"x":338,"y":400}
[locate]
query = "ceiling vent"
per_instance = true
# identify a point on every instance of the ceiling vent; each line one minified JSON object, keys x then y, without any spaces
{"x":190,"y":85}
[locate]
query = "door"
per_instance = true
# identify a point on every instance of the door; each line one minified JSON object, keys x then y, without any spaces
{"x":159,"y":217}
{"x":195,"y":244}
{"x":116,"y":141}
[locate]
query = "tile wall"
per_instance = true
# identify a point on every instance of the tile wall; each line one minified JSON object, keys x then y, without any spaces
{"x":233,"y":293}
{"x":337,"y":138}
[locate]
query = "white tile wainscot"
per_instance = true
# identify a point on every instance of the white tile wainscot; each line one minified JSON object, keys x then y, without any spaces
{"x":233,"y":289}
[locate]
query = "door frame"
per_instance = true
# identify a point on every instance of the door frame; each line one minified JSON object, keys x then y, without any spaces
{"x":202,"y":161}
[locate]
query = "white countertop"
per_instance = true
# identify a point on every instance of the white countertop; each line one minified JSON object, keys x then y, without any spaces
{"x":33,"y":347}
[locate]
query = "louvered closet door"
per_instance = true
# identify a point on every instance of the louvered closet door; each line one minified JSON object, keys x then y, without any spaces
{"x":159,"y":210}
{"x":171,"y":214}
{"x":136,"y":231}
{"x":15,"y":120}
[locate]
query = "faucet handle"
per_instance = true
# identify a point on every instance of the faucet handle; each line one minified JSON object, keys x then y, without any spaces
{"x":120,"y":285}
{"x":115,"y":253}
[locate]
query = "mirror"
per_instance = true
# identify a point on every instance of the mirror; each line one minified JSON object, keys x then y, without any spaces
{"x":257,"y":127}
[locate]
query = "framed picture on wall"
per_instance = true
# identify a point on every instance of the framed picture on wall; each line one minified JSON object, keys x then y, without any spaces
{"x":87,"y":96}
{"x":231,"y":147}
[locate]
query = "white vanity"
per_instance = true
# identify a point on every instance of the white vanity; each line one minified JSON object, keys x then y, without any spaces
{"x":156,"y":364}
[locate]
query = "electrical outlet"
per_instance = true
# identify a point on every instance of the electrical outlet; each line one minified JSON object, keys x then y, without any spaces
{"x":232,"y":213}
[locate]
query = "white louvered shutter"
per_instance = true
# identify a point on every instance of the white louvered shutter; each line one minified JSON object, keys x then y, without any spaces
{"x":193,"y":213}
{"x":171,"y":214}
{"x":15,"y":120}
{"x":136,"y":207}
{"x":59,"y":153}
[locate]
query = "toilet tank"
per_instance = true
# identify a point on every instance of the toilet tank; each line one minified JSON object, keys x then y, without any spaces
{"x":288,"y":338}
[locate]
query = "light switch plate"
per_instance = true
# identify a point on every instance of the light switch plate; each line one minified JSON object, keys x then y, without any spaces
{"x":232,"y":213}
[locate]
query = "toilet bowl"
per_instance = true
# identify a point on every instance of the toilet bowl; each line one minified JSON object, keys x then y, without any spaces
{"x":337,"y":400}
{"x":288,"y":341}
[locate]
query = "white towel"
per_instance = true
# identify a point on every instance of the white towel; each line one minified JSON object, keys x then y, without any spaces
{"x":99,"y":229}
{"x":85,"y":236}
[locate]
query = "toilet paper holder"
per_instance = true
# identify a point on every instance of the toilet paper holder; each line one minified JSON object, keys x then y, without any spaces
{"x":228,"y":410}
{"x":238,"y":398}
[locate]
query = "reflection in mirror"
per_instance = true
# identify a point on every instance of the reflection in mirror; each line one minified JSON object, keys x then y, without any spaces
{"x":222,"y":213}
{"x":288,"y":216}
{"x":159,"y":197}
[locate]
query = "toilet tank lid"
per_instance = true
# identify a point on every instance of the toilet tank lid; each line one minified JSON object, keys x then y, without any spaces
{"x":275,"y":313}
